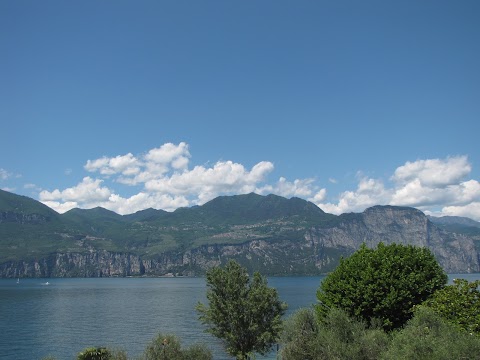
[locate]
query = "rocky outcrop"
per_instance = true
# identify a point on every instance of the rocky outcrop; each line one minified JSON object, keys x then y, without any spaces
{"x":456,"y":253}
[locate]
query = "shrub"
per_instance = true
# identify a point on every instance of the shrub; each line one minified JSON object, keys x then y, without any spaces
{"x":427,"y":336}
{"x":338,"y":336}
{"x":168,"y":347}
{"x":299,"y":336}
{"x":99,"y":353}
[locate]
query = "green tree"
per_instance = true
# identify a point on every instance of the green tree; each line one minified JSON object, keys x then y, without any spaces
{"x":242,"y":311}
{"x":383,"y":283}
{"x":168,"y":347}
{"x":459,"y":304}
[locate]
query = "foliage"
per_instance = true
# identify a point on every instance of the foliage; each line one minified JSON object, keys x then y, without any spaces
{"x":299,"y":336}
{"x":383,"y":283}
{"x":427,"y":336}
{"x":337,"y":337}
{"x":245,"y":313}
{"x":459,"y":304}
{"x":99,"y":353}
{"x":168,"y":346}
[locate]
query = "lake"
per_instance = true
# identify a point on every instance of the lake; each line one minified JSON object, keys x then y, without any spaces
{"x":67,"y":315}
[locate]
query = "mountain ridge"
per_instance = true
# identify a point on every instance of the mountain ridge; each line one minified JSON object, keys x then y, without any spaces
{"x":272,"y":234}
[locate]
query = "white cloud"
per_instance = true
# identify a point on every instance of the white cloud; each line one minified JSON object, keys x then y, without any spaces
{"x":143,"y":201}
{"x":167,"y":180}
{"x":319,"y":197}
{"x":302,"y":188}
{"x":4,"y":174}
{"x":168,"y":153}
{"x":471,"y":210}
{"x":369,"y":192}
{"x":89,"y":192}
{"x":433,"y":172}
{"x":122,"y":164}
{"x":9,"y":189}
{"x":424,"y":184}
{"x":61,"y":207}
{"x":131,"y":170}
{"x":206,"y":183}
{"x":168,"y":183}
{"x":32,"y":187}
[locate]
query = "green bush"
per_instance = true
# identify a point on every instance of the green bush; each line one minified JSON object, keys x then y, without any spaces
{"x":299,"y":336}
{"x":338,"y":336}
{"x":99,"y":353}
{"x":427,"y":336}
{"x":168,"y":347}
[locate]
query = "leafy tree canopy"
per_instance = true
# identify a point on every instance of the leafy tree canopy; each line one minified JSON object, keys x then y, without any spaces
{"x":242,"y":311}
{"x":459,"y":304}
{"x":383,"y":283}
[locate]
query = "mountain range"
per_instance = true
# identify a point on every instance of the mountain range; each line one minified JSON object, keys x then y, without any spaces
{"x":270,"y":234}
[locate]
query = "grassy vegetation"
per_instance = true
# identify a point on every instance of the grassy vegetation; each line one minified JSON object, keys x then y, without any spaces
{"x":427,"y":336}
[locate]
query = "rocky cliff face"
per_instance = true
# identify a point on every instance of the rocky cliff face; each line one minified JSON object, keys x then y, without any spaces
{"x":455,"y":252}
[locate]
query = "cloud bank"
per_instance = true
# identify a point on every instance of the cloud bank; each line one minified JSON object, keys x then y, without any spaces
{"x":436,"y":186}
{"x":167,"y":182}
{"x":163,"y":178}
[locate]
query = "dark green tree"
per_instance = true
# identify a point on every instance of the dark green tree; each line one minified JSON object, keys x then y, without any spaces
{"x":242,"y":311}
{"x":459,"y":304}
{"x":383,"y":283}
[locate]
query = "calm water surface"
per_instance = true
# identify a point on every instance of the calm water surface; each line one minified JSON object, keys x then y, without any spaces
{"x":68,"y":315}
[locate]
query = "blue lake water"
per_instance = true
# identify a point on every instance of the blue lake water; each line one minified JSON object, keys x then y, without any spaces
{"x":67,"y":315}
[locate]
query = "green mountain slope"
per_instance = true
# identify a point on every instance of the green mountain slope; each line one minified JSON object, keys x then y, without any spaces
{"x":224,"y":220}
{"x":272,"y":234}
{"x":29,"y":210}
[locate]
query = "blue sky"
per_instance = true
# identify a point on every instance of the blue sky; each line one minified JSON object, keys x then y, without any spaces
{"x":137,"y":104}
